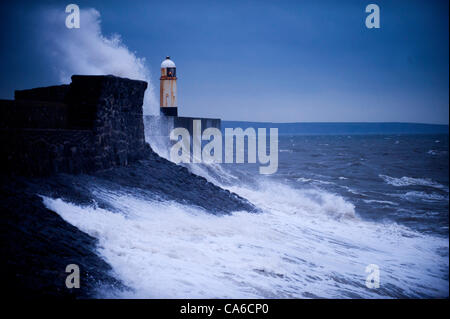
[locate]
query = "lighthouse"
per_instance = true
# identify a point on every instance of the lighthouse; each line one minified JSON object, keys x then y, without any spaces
{"x":168,"y":88}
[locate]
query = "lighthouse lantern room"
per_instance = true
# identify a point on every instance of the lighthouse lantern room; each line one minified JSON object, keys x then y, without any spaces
{"x":168,"y":88}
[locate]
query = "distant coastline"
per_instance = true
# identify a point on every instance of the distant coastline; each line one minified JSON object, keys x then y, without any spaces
{"x":344,"y":128}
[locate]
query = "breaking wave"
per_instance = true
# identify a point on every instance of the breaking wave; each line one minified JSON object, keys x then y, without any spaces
{"x":88,"y":51}
{"x":410,"y":181}
{"x":304,"y":244}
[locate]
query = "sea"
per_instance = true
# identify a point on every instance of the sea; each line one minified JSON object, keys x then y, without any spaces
{"x":338,"y":205}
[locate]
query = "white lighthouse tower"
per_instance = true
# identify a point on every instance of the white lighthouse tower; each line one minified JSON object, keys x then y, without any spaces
{"x":168,"y":88}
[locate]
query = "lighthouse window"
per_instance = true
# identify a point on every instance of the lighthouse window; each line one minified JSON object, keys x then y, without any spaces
{"x":171,"y":72}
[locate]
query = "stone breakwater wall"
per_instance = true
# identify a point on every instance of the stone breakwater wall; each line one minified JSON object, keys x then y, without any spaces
{"x":92,"y":124}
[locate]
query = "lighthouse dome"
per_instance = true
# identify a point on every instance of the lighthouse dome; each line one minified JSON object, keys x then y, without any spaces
{"x":168,"y":63}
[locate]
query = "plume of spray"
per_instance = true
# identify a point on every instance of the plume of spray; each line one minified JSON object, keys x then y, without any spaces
{"x":87,"y":51}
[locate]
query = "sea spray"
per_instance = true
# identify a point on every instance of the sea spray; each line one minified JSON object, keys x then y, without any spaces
{"x":307,"y":247}
{"x":305,"y":243}
{"x":87,"y":51}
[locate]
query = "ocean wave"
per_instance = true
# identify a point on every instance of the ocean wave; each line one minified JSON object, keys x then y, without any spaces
{"x":307,"y":202}
{"x":429,"y":197}
{"x":315,"y":181}
{"x":436,"y":152}
{"x":370,"y":201}
{"x":411,"y":181}
{"x":295,"y":248}
{"x":303,"y":243}
{"x":351,"y":190}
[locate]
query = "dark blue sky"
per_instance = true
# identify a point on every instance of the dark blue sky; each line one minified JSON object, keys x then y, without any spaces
{"x":289,"y":61}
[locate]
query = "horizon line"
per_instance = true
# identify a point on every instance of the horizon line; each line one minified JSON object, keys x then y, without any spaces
{"x":336,"y":122}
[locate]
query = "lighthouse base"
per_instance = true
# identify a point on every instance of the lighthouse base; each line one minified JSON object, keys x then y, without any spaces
{"x":163,"y":125}
{"x":168,"y":111}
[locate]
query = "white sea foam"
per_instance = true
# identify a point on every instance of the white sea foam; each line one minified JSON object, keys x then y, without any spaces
{"x":410,"y":181}
{"x":156,"y":135}
{"x":369,"y":201}
{"x":314,"y":181}
{"x":428,"y":197}
{"x":303,"y":244}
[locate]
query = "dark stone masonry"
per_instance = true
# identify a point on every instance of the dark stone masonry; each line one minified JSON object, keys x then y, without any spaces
{"x":66,"y":142}
{"x":92,"y":124}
